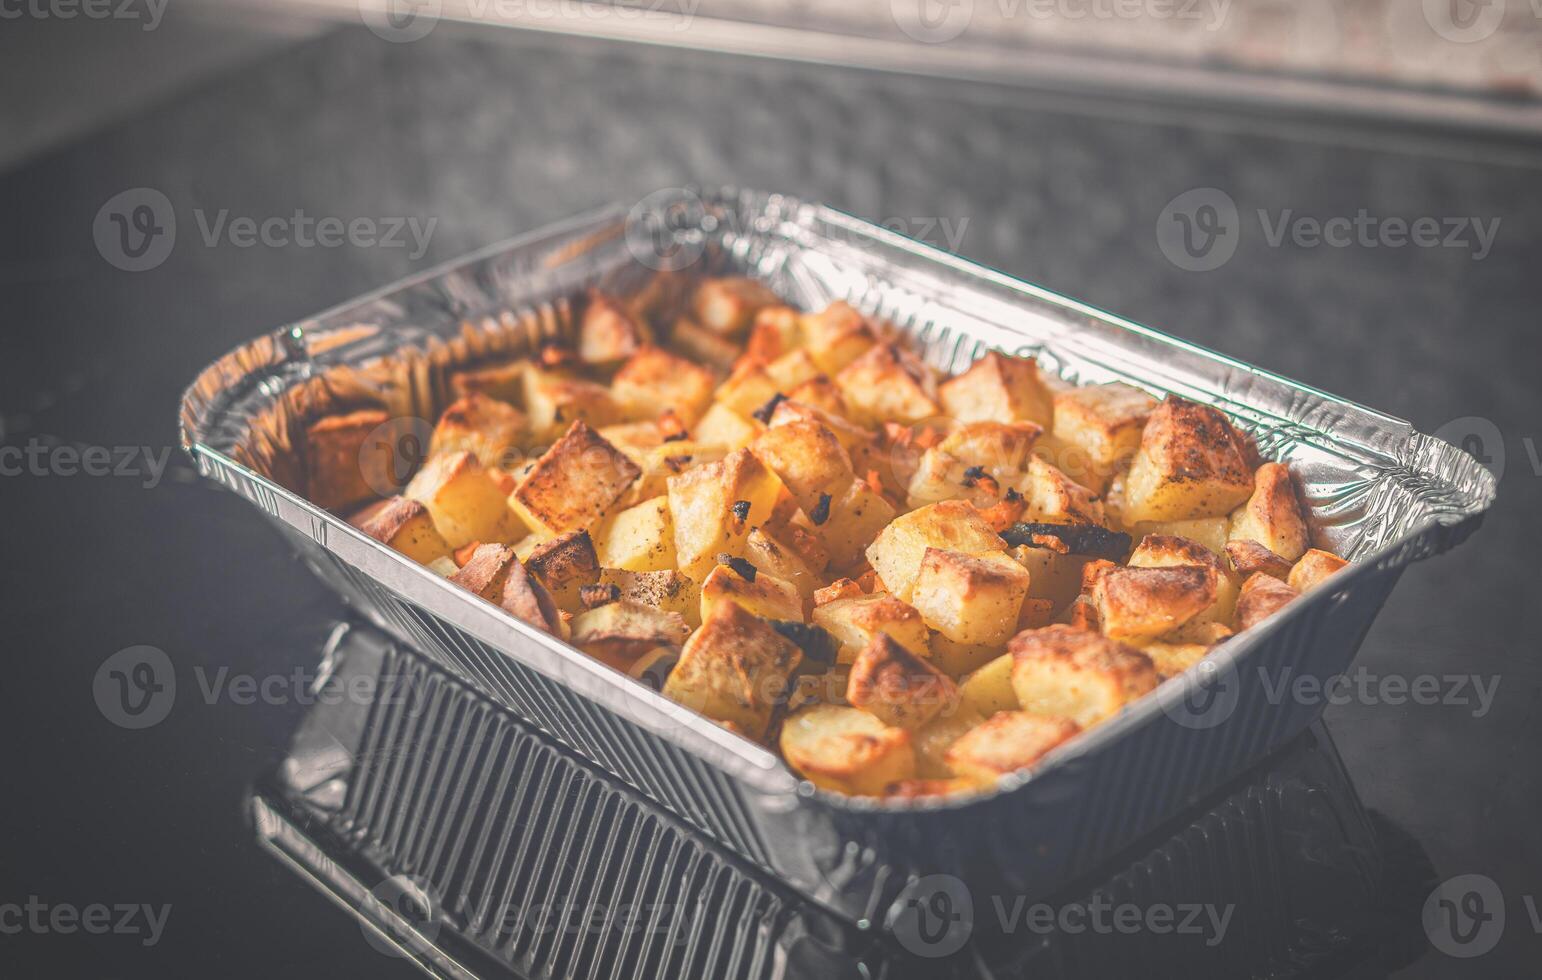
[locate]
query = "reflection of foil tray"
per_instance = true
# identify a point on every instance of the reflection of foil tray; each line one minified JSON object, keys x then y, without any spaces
{"x":464,"y":840}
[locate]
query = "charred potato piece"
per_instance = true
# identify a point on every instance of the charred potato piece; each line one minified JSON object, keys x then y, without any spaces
{"x":897,"y":687}
{"x":465,"y":502}
{"x":1167,"y":551}
{"x":1248,"y":557}
{"x":950,"y":524}
{"x":714,"y":506}
{"x":1006,"y":743}
{"x":406,"y":526}
{"x":640,"y":538}
{"x":1104,"y":422}
{"x":1066,"y":672}
{"x":578,"y":480}
{"x":846,"y":750}
{"x":855,"y":621}
{"x":497,"y":576}
{"x":1086,"y":540}
{"x":1262,"y":596}
{"x":735,"y":668}
{"x":1191,"y":463}
{"x":889,"y":384}
{"x":565,"y":565}
{"x":1313,"y":567}
{"x":654,"y":381}
{"x":668,"y":591}
{"x":1272,"y":516}
{"x":998,"y":388}
{"x":490,"y":429}
{"x":761,"y":593}
{"x":970,"y":598}
{"x":1137,"y":605}
{"x":607,"y":332}
{"x":728,"y":305}
{"x":346,"y":459}
{"x":618,"y":633}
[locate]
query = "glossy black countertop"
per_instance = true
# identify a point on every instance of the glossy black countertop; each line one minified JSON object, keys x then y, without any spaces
{"x":462,"y":141}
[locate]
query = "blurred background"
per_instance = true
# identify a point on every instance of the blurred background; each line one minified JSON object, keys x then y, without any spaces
{"x":1365,"y":177}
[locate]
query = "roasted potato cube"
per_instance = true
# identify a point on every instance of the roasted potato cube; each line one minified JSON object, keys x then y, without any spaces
{"x":1002,"y":449}
{"x":777,"y":330}
{"x":564,"y":565}
{"x":1172,"y":659}
{"x":715,"y":505}
{"x":1272,"y":515}
{"x":665,"y":590}
{"x":808,"y":458}
{"x":640,"y":538}
{"x":1191,"y":463}
{"x":1262,"y":596}
{"x":554,"y":402}
{"x":988,"y":689}
{"x":950,"y":524}
{"x":735,"y":669}
{"x":837,"y":336}
{"x":700,"y":344}
{"x":1136,"y":605}
{"x":463,"y":500}
{"x":792,"y":370}
{"x":669,"y":460}
{"x":1167,"y":551}
{"x":1104,"y":422}
{"x":722,"y":426}
{"x":942,"y":476}
{"x":998,"y":388}
{"x":728,"y":305}
{"x":1066,"y":672}
{"x":855,"y":621}
{"x":406,"y":526}
{"x":578,"y":480}
{"x":1248,"y":557}
{"x":957,"y":659}
{"x":1208,"y":531}
{"x":607,"y":332}
{"x":897,"y":687}
{"x":1007,"y":742}
{"x":970,"y":598}
{"x":748,"y":390}
{"x":654,"y":381}
{"x":505,"y":382}
{"x":497,"y":576}
{"x":761,"y":593}
{"x":766,"y":552}
{"x":636,"y":439}
{"x":1052,"y":497}
{"x":347,"y":460}
{"x":823,"y":394}
{"x":845,"y":750}
{"x":1314,"y":566}
{"x":618,"y":633}
{"x":932,"y":741}
{"x":855,"y":518}
{"x":491,"y":429}
{"x":889,"y":384}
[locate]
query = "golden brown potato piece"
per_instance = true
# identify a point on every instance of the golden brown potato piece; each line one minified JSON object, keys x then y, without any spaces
{"x":792,"y":370}
{"x":496,"y":575}
{"x":1137,"y":605}
{"x":1208,"y":531}
{"x":618,"y":633}
{"x":668,"y":591}
{"x":607,"y":332}
{"x":505,"y":382}
{"x":855,"y":518}
{"x":1007,"y":742}
{"x":855,"y":621}
{"x":1066,"y":672}
{"x":809,"y":459}
{"x":823,"y":394}
{"x":654,"y":381}
{"x":1191,"y":463}
{"x":1169,"y":550}
{"x":988,"y":689}
{"x":578,"y":480}
{"x":897,"y":687}
{"x":346,"y":459}
{"x":1105,"y":423}
{"x":758,"y":591}
{"x":748,"y":389}
{"x":1314,"y":566}
{"x":735,"y":668}
{"x":565,"y":565}
{"x":845,"y":750}
{"x":777,"y":330}
{"x":837,"y":336}
{"x":889,"y":384}
{"x":1248,"y":557}
{"x":958,"y":659}
{"x":722,"y":426}
{"x":553,"y":402}
{"x":953,"y":525}
{"x":1272,"y":516}
{"x":714,"y":506}
{"x":490,"y":429}
{"x":1172,"y":659}
{"x":728,"y":305}
{"x":464,"y":500}
{"x":998,"y":388}
{"x":406,"y":526}
{"x":765,"y":550}
{"x":1002,"y":449}
{"x":932,"y":741}
{"x":1052,"y":497}
{"x":1262,"y":596}
{"x":640,"y":538}
{"x":970,"y":598}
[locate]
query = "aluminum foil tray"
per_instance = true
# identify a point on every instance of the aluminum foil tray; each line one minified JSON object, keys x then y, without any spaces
{"x":474,"y":845}
{"x":1380,"y":493}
